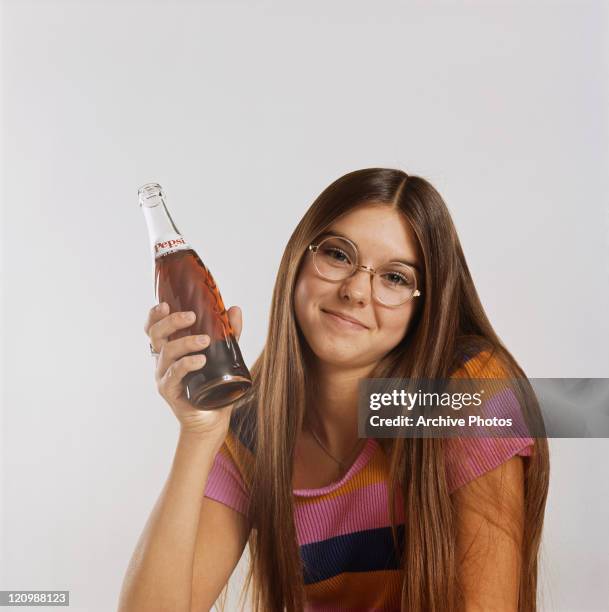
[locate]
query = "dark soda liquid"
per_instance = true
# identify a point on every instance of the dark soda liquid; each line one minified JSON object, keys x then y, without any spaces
{"x":185,"y":283}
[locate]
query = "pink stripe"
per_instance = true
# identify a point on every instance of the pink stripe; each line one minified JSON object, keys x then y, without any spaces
{"x":365,"y":508}
{"x":505,"y":405}
{"x":469,"y":458}
{"x":224,"y":484}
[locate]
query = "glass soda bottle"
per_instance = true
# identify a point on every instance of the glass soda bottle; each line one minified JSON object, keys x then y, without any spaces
{"x":182,"y":280}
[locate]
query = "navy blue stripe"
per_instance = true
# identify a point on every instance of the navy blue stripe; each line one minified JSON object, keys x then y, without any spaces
{"x":469,"y":353}
{"x":363,"y":551}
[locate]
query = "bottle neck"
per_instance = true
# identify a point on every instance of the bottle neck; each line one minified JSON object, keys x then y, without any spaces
{"x":163,"y":234}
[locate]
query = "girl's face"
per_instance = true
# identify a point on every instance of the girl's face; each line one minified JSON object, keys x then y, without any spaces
{"x":381,"y":235}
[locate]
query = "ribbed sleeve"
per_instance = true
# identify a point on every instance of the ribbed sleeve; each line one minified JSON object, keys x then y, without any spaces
{"x":469,"y":458}
{"x":225,"y":484}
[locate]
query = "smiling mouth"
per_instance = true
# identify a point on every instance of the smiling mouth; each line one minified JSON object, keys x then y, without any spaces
{"x":343,"y":320}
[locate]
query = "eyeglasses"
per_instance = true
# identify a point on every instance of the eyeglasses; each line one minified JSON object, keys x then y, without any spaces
{"x":336,"y":258}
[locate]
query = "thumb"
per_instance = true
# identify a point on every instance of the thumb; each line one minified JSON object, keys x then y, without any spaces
{"x":235,"y":318}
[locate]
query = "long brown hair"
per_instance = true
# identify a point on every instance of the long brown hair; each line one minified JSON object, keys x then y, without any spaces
{"x":448,"y":322}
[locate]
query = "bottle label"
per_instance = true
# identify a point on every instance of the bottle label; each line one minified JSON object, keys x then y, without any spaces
{"x":170,"y":244}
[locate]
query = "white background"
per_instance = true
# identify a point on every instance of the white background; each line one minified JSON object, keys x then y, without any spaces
{"x":245,"y":112}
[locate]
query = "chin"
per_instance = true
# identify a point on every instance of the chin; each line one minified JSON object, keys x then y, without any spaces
{"x":327,"y":346}
{"x":343,"y":354}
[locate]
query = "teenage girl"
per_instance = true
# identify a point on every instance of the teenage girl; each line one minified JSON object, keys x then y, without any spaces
{"x":373,"y":283}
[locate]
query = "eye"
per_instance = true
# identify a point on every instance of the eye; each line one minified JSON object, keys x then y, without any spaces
{"x":336,"y":254}
{"x":396,"y":278}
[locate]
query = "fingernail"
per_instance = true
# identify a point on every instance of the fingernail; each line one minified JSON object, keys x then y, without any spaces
{"x":202,"y":340}
{"x":189,"y":316}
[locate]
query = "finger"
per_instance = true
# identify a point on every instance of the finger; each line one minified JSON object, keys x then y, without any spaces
{"x":166,"y":326}
{"x":235,"y":317}
{"x":156,"y":313}
{"x":176,"y":349}
{"x":170,"y":386}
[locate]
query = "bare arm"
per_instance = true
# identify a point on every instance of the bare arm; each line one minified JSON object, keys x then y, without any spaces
{"x":184,"y":531}
{"x":160,"y":570}
{"x":490,"y":516}
{"x":222,"y":536}
{"x":178,"y":536}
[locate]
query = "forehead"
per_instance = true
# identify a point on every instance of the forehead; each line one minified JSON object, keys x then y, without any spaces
{"x":380,"y":232}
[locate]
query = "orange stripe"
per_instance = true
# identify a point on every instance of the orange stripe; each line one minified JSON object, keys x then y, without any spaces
{"x":373,"y":472}
{"x":380,"y":589}
{"x":241,"y":455}
{"x":482,"y":366}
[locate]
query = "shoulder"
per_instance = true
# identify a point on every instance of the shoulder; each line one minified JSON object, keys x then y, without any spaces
{"x":470,"y":458}
{"x":240,"y":443}
{"x":229,"y":480}
{"x":476,"y":357}
{"x":242,"y":426}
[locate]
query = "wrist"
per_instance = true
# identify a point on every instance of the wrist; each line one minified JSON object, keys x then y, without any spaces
{"x":213,"y":438}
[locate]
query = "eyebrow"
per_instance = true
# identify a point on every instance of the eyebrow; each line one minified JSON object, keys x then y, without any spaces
{"x":335,"y":233}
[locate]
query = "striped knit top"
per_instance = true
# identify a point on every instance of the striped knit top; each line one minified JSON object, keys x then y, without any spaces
{"x":343,"y":529}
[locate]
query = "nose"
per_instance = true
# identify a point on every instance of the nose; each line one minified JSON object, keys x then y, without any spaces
{"x":357,"y":288}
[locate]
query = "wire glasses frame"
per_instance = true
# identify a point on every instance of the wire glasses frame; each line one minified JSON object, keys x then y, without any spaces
{"x":355,"y":267}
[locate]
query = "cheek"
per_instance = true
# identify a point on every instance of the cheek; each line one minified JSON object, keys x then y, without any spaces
{"x":304,"y":296}
{"x":309,"y":290}
{"x":393,"y":326}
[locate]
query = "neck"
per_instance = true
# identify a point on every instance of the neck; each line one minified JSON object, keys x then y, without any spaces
{"x":332,"y":410}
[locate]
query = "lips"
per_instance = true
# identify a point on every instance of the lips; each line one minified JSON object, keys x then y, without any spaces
{"x":344,"y":316}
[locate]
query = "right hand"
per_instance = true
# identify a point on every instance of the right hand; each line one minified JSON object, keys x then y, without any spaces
{"x":172,"y":365}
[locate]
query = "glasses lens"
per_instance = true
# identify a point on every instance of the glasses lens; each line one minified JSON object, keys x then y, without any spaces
{"x":335,"y":258}
{"x":394,"y":284}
